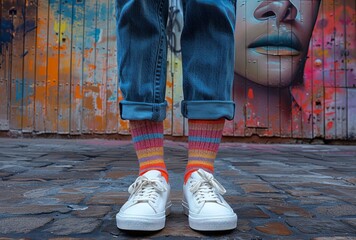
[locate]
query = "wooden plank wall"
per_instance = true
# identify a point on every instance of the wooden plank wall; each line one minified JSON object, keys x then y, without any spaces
{"x":5,"y":52}
{"x":58,"y":73}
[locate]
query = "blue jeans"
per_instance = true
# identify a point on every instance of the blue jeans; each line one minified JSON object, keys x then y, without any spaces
{"x":207,"y":56}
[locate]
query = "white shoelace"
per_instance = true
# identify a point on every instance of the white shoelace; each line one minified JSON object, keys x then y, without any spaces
{"x":204,"y":189}
{"x":146,"y":190}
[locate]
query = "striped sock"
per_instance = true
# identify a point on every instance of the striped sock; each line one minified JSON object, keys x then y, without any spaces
{"x":147,"y":137}
{"x":203,"y":144}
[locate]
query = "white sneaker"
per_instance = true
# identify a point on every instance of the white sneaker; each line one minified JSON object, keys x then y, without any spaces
{"x":148,"y":204}
{"x":203,"y":203}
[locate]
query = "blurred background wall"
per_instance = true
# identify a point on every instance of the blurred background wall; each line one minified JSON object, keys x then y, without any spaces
{"x":58,"y":71}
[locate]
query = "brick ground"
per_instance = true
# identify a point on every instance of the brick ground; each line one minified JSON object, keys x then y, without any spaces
{"x":72,"y":189}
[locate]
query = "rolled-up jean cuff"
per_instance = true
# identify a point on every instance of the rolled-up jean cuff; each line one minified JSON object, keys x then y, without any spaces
{"x":143,"y":111}
{"x":208,"y":110}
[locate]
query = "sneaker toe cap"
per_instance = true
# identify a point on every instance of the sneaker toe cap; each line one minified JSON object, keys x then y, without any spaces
{"x":139,"y":209}
{"x":214,"y":209}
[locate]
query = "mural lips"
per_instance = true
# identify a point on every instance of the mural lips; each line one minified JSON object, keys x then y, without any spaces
{"x":286,"y":44}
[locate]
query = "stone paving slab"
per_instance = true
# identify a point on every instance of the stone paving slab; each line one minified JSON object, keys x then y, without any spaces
{"x":71,"y":189}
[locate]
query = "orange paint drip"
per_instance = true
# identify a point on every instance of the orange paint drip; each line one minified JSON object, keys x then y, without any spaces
{"x":91,"y":66}
{"x":78,"y":92}
{"x":169,"y":100}
{"x":99,"y":103}
{"x":40,"y":93}
{"x":53,"y":68}
{"x":30,"y":65}
{"x":169,"y":84}
{"x":88,"y":52}
{"x":42,"y":70}
{"x":98,"y":122}
{"x":124,"y":124}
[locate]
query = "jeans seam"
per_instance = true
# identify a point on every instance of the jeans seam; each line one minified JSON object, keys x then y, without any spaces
{"x":158,"y":73}
{"x":159,"y":56}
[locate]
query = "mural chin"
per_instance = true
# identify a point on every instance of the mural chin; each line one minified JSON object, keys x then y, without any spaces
{"x":270,"y":48}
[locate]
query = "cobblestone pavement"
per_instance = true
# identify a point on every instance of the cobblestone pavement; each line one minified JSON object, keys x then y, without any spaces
{"x":72,"y":189}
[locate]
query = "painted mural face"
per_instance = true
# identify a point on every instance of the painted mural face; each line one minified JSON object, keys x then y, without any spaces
{"x":272,"y":39}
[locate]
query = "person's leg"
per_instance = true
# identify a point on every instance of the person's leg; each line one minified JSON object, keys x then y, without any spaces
{"x":208,"y":71}
{"x":203,"y":144}
{"x":208,"y":59}
{"x":147,"y":137}
{"x":142,"y":51}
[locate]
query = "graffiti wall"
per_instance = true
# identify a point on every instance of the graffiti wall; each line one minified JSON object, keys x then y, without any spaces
{"x":294,"y":68}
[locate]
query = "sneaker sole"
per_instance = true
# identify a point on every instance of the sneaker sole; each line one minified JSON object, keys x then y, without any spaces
{"x":218,"y":223}
{"x":140,"y":223}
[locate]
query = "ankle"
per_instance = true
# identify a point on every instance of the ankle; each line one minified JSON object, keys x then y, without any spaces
{"x":188,"y":172}
{"x":187,"y":176}
{"x":163,"y":173}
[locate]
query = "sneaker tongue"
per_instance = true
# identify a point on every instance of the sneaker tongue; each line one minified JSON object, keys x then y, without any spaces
{"x":153,"y":174}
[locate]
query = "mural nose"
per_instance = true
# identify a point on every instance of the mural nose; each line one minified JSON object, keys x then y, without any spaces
{"x":283,"y":11}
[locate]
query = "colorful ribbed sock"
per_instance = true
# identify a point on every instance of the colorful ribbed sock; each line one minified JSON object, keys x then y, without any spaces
{"x":203,"y":144}
{"x":147,"y":137}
